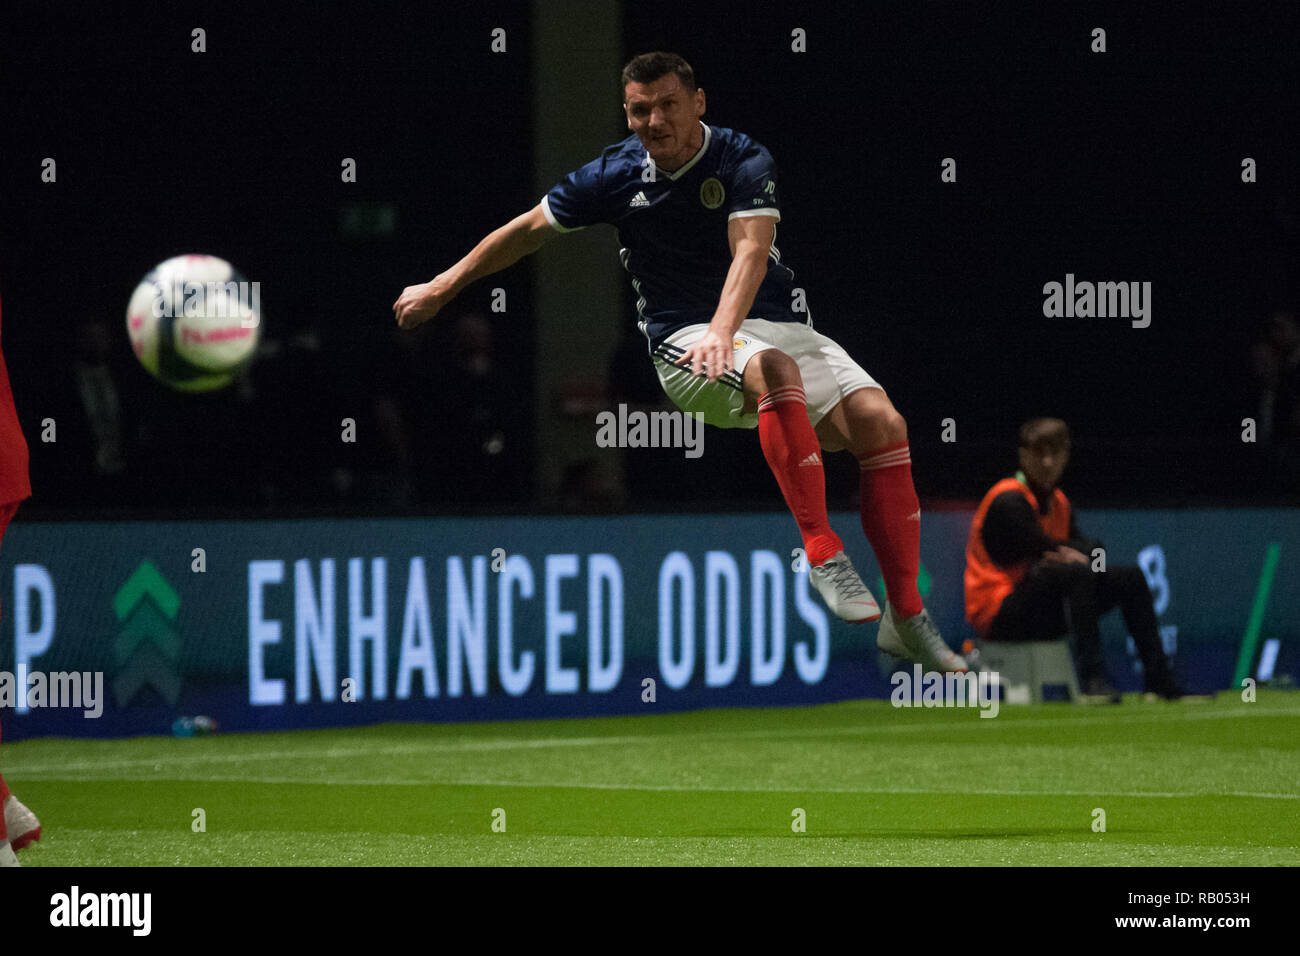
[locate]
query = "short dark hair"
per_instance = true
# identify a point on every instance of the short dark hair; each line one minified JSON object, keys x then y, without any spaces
{"x":649,"y":67}
{"x":1041,"y":431}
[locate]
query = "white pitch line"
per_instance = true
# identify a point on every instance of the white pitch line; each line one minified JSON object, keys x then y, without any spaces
{"x":470,"y":744}
{"x":678,"y":788}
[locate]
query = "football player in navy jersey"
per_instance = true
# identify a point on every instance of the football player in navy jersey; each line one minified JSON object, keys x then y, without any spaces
{"x":696,"y":208}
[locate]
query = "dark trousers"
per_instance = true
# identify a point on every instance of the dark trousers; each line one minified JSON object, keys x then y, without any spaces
{"x":1057,"y":599}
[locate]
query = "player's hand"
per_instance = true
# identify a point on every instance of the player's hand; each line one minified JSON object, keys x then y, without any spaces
{"x":420,"y":303}
{"x":712,"y":354}
{"x":1064,"y":554}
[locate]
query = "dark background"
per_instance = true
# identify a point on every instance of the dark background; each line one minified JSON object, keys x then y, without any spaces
{"x":1122,"y":166}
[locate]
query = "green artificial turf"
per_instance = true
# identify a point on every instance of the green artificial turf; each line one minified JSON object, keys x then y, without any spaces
{"x":1180,"y":784}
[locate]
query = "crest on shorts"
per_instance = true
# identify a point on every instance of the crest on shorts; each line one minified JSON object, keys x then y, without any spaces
{"x":739,"y":343}
{"x":711,"y":193}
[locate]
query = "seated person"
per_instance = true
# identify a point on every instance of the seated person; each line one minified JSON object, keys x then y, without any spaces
{"x":1029,"y":571}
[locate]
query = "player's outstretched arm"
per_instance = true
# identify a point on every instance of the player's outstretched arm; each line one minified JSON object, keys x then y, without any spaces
{"x":501,"y":248}
{"x":751,"y":240}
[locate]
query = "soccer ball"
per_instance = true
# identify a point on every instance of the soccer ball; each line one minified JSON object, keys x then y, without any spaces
{"x":194,"y":322}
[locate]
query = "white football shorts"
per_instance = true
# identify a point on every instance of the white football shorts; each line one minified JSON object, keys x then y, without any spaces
{"x":827,"y":371}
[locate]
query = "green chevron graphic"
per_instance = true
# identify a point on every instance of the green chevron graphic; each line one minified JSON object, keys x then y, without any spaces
{"x":148,"y":668}
{"x":146,"y":580}
{"x":146,"y":647}
{"x":146,"y":625}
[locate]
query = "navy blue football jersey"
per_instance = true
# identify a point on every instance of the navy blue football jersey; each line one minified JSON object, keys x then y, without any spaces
{"x":673,"y":226}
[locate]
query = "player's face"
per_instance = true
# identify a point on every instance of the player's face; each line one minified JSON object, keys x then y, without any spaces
{"x":666,"y":118}
{"x":1044,"y":462}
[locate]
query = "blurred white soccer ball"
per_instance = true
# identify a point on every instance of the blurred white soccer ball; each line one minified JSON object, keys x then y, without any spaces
{"x":194,"y":322}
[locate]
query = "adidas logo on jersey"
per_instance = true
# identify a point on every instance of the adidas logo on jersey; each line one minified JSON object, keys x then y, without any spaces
{"x":812,"y":459}
{"x":639,"y":200}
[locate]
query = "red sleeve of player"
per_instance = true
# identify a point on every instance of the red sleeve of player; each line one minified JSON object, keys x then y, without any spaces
{"x":14,"y":482}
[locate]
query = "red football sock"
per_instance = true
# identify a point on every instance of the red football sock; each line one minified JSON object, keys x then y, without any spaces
{"x":891,"y":518}
{"x":4,"y":795}
{"x":793,"y":453}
